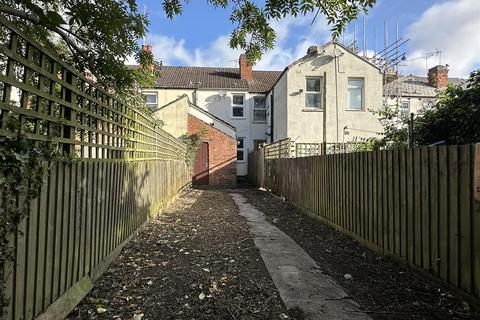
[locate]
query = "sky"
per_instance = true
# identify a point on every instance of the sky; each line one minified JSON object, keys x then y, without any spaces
{"x":199,"y":37}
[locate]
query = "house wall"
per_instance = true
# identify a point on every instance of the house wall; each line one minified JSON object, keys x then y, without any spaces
{"x":306,"y":125}
{"x":219,"y":103}
{"x":416,"y":103}
{"x":165,"y":96}
{"x":174,"y":117}
{"x":280,"y":108}
{"x":222,"y":152}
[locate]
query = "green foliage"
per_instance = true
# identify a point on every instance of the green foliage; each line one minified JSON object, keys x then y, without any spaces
{"x":455,"y":118}
{"x":98,"y":36}
{"x":193,"y":142}
{"x":395,"y":131}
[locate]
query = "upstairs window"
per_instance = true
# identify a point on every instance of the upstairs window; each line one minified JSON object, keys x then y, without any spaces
{"x":313,"y":94}
{"x":151,"y":100}
{"x":259,"y":109}
{"x":404,"y":109}
{"x":355,"y":94}
{"x":238,"y":103}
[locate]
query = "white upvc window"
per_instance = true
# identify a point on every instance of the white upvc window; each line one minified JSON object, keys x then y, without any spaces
{"x":313,"y":93}
{"x":404,"y":109}
{"x":355,"y":93}
{"x":151,"y":99}
{"x":238,"y":106}
{"x":260,"y":109}
{"x":240,"y":149}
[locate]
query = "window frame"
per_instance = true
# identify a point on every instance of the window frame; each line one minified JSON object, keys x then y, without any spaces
{"x":362,"y":107}
{"x":151,"y":105}
{"x":314,"y":92}
{"x":261,"y":109}
{"x":401,"y":109}
{"x":238,"y":106}
{"x":241,"y":149}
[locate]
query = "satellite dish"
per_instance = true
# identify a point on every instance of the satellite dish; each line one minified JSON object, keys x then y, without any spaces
{"x":222,"y":93}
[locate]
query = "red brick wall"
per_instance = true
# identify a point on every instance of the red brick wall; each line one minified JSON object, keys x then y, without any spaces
{"x":222,"y":151}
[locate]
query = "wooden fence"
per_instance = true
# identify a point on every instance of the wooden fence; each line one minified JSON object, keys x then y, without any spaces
{"x":415,"y":204}
{"x":127,"y":170}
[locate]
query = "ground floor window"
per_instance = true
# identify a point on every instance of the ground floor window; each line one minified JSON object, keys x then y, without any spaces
{"x":240,"y":149}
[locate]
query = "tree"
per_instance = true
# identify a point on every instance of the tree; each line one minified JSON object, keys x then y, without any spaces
{"x":455,"y":118}
{"x":99,"y":35}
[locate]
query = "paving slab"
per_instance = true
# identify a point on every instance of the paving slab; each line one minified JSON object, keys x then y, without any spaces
{"x":298,"y":278}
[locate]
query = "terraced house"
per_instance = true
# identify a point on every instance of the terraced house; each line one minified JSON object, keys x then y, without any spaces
{"x":324,"y":96}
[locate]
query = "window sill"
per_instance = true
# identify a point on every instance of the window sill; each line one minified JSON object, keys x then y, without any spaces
{"x":354,"y":109}
{"x":261,"y":122}
{"x":312,"y":110}
{"x":238,"y":118}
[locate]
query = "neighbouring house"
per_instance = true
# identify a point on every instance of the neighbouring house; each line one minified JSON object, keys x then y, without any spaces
{"x":330,"y":85}
{"x":235,"y":95}
{"x":215,"y":163}
{"x":411,"y":93}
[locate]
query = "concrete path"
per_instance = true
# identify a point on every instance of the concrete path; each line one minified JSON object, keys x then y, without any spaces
{"x":296,"y":275}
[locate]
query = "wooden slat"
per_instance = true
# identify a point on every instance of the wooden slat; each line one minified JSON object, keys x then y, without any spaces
{"x":434,"y":220}
{"x":465,"y":218}
{"x":417,"y":198}
{"x":453,"y":231}
{"x":425,"y":196}
{"x":443,"y":211}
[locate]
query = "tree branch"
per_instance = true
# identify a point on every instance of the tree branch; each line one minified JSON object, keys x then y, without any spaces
{"x":32,"y":18}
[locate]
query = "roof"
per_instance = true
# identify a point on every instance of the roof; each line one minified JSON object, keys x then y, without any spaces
{"x":415,"y":86}
{"x":211,"y":115}
{"x":190,"y":104}
{"x":172,"y":77}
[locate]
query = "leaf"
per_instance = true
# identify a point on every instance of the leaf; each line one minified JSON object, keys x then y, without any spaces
{"x":201,"y":296}
{"x":55,"y":18}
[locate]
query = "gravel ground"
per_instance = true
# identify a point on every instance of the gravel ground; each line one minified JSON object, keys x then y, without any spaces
{"x":384,"y":288}
{"x":195,"y":261}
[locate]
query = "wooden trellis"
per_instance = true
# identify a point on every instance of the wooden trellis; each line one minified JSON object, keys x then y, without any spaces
{"x":56,"y":103}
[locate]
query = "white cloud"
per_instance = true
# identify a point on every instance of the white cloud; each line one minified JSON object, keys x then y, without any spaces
{"x":452,"y":27}
{"x":218,"y":53}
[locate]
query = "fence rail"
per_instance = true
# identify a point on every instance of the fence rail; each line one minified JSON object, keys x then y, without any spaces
{"x":56,"y":103}
{"x":415,"y":204}
{"x":127,"y":170}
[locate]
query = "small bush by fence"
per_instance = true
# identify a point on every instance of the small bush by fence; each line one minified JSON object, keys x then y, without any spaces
{"x":126,"y":170}
{"x":415,"y":204}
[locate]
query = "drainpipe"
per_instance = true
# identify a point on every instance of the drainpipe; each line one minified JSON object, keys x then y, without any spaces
{"x":336,"y":89}
{"x":195,"y":96}
{"x":272,"y":101}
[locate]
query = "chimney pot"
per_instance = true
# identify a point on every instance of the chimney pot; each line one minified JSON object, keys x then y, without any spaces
{"x":312,"y":51}
{"x":246,"y":72}
{"x":147,"y":47}
{"x":438,"y":76}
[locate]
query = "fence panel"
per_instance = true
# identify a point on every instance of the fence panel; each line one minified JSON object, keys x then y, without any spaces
{"x":126,"y":170}
{"x":416,"y":204}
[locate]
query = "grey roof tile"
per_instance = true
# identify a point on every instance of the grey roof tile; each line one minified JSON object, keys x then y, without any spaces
{"x":415,"y":86}
{"x":172,"y":77}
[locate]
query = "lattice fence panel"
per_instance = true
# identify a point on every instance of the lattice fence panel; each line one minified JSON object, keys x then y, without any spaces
{"x":53,"y":102}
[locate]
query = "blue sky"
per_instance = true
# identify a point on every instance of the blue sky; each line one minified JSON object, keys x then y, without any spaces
{"x":200,"y":36}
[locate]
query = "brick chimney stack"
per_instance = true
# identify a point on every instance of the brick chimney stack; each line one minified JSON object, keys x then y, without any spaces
{"x":438,"y":76}
{"x":149,"y":48}
{"x":246,"y":72}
